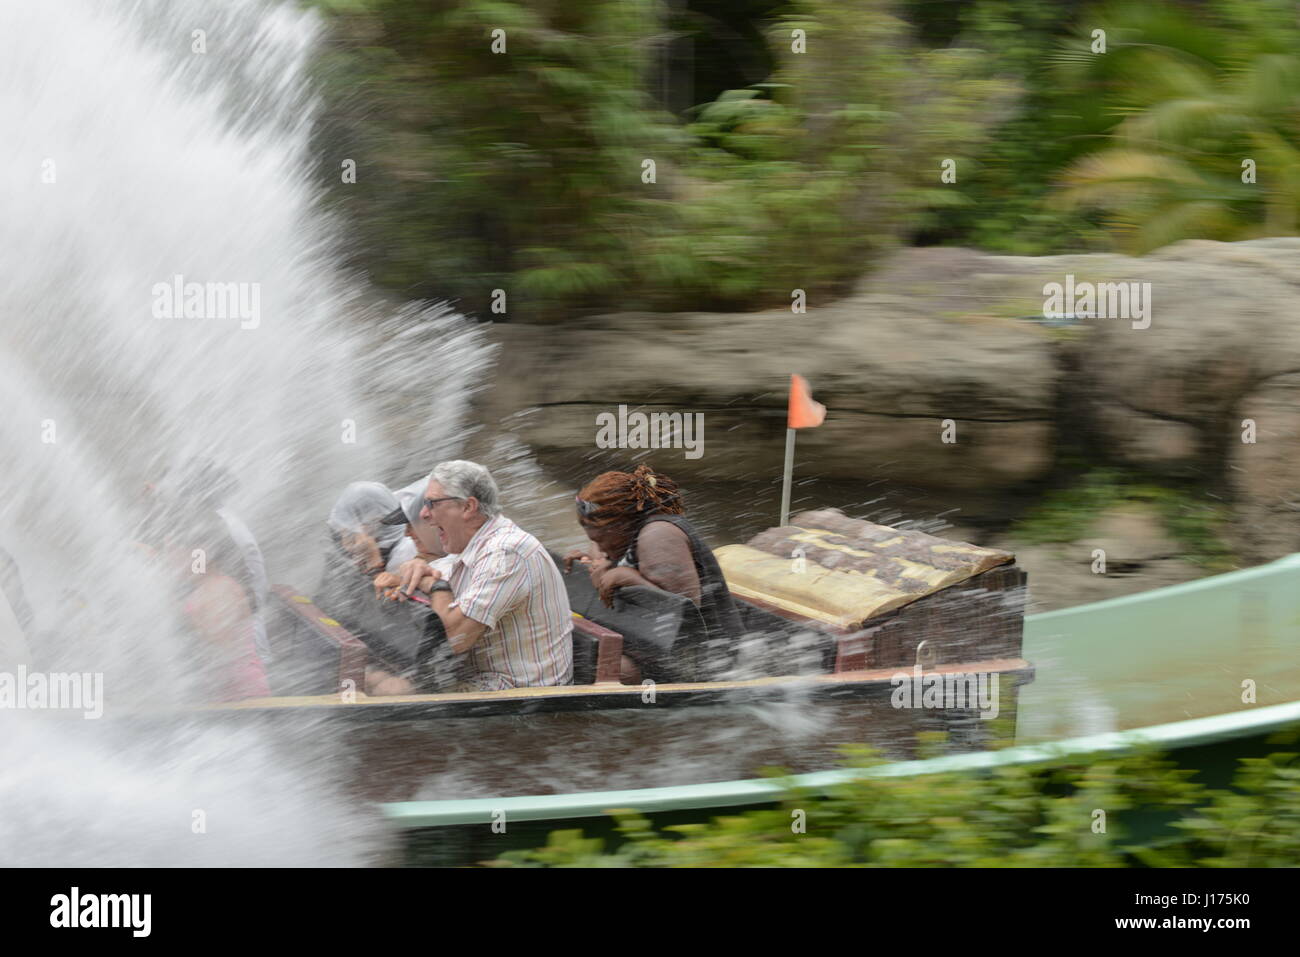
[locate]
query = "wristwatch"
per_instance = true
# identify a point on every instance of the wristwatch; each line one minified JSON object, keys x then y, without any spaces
{"x":440,"y":585}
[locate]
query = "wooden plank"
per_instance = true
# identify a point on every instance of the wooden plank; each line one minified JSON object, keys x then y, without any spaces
{"x":569,"y":697}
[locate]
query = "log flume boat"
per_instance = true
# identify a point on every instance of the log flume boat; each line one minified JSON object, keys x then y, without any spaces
{"x":833,"y":604}
{"x":835,"y":610}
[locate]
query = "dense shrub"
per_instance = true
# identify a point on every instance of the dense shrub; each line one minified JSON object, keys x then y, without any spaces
{"x":1015,"y":816}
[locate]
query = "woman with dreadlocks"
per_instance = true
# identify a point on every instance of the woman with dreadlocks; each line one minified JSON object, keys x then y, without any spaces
{"x":640,"y":536}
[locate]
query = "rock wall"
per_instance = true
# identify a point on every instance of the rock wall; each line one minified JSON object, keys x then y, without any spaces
{"x":950,"y":334}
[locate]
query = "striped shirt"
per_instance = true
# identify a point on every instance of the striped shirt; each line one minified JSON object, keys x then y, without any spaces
{"x":505,"y":579}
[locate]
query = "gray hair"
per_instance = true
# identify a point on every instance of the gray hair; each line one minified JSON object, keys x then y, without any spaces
{"x":469,"y":479}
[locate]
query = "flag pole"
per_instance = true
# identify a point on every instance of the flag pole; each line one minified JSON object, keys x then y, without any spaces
{"x":802,"y":413}
{"x":789,"y":470}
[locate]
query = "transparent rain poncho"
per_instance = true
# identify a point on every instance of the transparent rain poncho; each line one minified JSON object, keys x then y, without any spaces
{"x":411,"y":498}
{"x":359,"y":510}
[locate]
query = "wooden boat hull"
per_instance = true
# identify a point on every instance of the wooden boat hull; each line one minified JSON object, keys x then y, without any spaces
{"x":532,"y":740}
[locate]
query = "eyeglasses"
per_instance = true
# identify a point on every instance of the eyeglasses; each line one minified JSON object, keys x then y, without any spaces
{"x":431,"y":502}
{"x":586,"y":509}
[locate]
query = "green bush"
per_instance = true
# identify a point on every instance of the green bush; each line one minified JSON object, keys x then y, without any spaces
{"x":807,"y":181}
{"x":1008,"y":188}
{"x":1195,"y":95}
{"x":1017,"y":816}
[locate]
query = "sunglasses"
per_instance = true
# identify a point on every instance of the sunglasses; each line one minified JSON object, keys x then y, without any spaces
{"x":431,"y":502}
{"x":586,"y":509}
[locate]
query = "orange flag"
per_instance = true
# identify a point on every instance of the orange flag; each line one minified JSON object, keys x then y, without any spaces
{"x":804,"y":412}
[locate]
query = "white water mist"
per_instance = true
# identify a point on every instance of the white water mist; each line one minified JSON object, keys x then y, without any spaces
{"x":129,"y":159}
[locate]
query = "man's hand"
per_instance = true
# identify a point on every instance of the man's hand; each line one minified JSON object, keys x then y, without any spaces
{"x":385,"y":582}
{"x":416,"y":573}
{"x":615,"y":577}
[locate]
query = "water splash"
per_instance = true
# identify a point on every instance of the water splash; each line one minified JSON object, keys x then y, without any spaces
{"x":129,"y":159}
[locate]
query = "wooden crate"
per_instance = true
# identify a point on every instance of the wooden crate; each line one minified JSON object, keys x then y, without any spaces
{"x":888,"y":597}
{"x":978,"y":619}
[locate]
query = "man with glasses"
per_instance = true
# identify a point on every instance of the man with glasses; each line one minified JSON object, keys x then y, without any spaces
{"x":504,"y":603}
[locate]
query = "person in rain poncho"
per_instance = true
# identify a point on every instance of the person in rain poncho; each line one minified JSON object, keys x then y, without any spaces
{"x":363,"y":544}
{"x":201,"y":483}
{"x":434,"y":667}
{"x":356,"y":522}
{"x":420,"y":539}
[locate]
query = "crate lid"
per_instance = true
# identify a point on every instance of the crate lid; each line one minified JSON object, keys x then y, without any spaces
{"x":843,"y":571}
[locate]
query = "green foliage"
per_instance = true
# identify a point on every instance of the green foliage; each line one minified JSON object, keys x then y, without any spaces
{"x":1195,"y":99}
{"x":1066,"y":515}
{"x":1143,"y":144}
{"x":1255,"y":826}
{"x":524,"y":171}
{"x":1017,"y":816}
{"x":806,"y":180}
{"x":1005,"y":191}
{"x":479,"y":170}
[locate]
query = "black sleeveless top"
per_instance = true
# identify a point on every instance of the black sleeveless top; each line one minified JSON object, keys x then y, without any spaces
{"x":717,"y":607}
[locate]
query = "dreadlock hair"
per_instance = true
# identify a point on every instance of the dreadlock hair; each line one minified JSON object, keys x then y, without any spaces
{"x":616,"y":498}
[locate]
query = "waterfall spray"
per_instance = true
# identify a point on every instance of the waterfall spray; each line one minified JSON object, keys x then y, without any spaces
{"x":167,"y":145}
